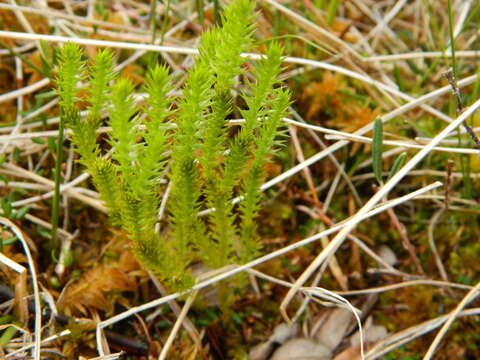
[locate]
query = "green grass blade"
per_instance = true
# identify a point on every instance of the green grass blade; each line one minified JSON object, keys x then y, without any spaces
{"x":332,"y":11}
{"x":399,"y":161}
{"x":377,"y":149}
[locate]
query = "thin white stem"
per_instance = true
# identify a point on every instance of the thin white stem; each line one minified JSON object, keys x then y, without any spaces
{"x":176,"y":327}
{"x":25,"y":90}
{"x":431,"y":240}
{"x":60,"y":15}
{"x":366,"y":140}
{"x":36,"y":290}
{"x":472,"y":294}
{"x":405,"y":336}
{"x":44,"y":341}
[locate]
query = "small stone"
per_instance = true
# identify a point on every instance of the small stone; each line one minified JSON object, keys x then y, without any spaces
{"x":388,"y":255}
{"x":302,"y":349}
{"x":283,"y":332}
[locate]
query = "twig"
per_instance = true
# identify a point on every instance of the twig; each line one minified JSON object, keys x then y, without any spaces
{"x":411,"y":333}
{"x":472,"y":294}
{"x":36,"y":291}
{"x":460,"y":109}
{"x":176,"y":327}
{"x":407,"y":244}
{"x":448,"y":183}
{"x":431,"y":241}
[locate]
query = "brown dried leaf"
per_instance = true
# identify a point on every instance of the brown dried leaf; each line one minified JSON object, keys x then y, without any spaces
{"x":93,"y":290}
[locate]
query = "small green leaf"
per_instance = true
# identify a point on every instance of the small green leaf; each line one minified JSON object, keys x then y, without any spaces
{"x":52,"y":144}
{"x":43,"y":232}
{"x":101,"y":10}
{"x":9,"y":241}
{"x":377,"y":149}
{"x":67,"y":258}
{"x":45,"y":95}
{"x":332,"y":11}
{"x":20,"y":213}
{"x":39,"y":141}
{"x":55,"y":282}
{"x":7,"y":208}
{"x":5,"y":319}
{"x":43,"y":118}
{"x":7,"y":335}
{"x":399,"y":161}
{"x":16,"y":154}
{"x":4,"y":179}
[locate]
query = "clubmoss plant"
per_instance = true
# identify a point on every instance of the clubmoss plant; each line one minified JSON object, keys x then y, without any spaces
{"x":186,"y":140}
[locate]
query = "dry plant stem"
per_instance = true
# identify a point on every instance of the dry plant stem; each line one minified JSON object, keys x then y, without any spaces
{"x":376,"y":17}
{"x":316,"y":292}
{"x":407,"y":244}
{"x":44,"y":341}
{"x":382,"y":192}
{"x":448,"y":183}
{"x":306,"y":171}
{"x":456,"y":92}
{"x":258,"y":261}
{"x":451,"y":199}
{"x":66,"y":245}
{"x":467,"y":54}
{"x":115,"y":356}
{"x":317,"y":139}
{"x":306,"y":299}
{"x":57,"y":14}
{"x":380,"y":289}
{"x":176,"y":327}
{"x":332,"y":263}
{"x":187,"y":324}
{"x":267,"y":277}
{"x":431,"y":241}
{"x":383,"y":22}
{"x":362,"y":139}
{"x":12,"y":264}
{"x":359,"y":243}
{"x":36,"y":291}
{"x":25,"y":90}
{"x":28,"y":174}
{"x":472,"y":294}
{"x":443,"y":174}
{"x":320,"y":213}
{"x":18,"y":50}
{"x":405,"y":336}
{"x":192,"y":51}
{"x":308,"y":25}
{"x":46,"y":225}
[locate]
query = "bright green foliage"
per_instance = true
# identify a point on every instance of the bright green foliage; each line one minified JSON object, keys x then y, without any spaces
{"x":101,"y":74}
{"x":69,"y":74}
{"x":209,"y":162}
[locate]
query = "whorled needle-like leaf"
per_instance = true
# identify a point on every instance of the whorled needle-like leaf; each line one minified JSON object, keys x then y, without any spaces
{"x":377,"y":149}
